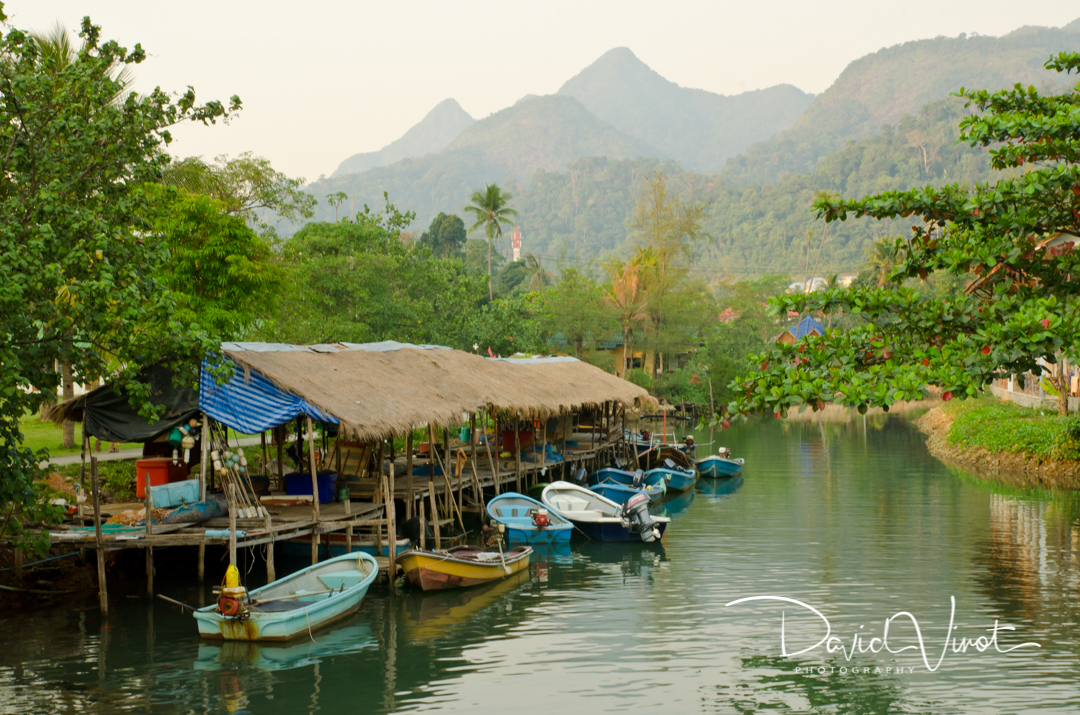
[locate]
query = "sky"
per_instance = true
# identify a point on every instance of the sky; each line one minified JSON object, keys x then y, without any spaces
{"x":325,"y":79}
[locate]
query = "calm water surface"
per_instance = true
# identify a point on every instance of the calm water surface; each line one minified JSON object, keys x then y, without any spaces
{"x":855,"y":519}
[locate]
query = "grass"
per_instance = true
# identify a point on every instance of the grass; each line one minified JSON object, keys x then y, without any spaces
{"x":1006,"y":427}
{"x":46,"y":435}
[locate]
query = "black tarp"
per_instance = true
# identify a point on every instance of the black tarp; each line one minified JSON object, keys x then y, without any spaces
{"x":109,"y":416}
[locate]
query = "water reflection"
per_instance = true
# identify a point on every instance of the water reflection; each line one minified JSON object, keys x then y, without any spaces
{"x":851,"y":515}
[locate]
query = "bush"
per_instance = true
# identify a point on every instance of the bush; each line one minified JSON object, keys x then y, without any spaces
{"x":1006,"y":427}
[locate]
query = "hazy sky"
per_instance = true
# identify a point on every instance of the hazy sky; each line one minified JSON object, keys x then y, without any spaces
{"x":322,"y":79}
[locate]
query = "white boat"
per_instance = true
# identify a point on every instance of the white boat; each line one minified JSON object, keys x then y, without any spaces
{"x":294,"y":605}
{"x":602,"y":519}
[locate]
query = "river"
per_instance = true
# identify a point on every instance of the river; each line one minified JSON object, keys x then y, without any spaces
{"x":853,"y":518}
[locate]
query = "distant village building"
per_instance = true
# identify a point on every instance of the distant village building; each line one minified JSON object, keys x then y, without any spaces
{"x":807,"y":326}
{"x":515,"y":242}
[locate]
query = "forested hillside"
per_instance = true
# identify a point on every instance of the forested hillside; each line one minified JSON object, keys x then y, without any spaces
{"x":879,"y":88}
{"x":699,"y":129}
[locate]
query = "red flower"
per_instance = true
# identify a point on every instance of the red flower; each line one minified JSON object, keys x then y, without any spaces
{"x":776,"y":415}
{"x":725,"y":424}
{"x":947,"y":395}
{"x":926,"y":362}
{"x":1045,"y":322}
{"x":986,"y":350}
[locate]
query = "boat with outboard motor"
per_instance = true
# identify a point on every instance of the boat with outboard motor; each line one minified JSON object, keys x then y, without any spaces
{"x":602,"y":519}
{"x":291,"y":606}
{"x":720,"y":465}
{"x":676,"y":478}
{"x":528,"y":521}
{"x":621,"y":494}
{"x":461,"y":566}
{"x":654,"y":486}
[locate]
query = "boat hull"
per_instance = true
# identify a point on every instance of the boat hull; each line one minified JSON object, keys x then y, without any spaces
{"x":718,"y":467}
{"x":287,"y":624}
{"x":613,"y":532}
{"x":434,"y":571}
{"x":676,"y":479}
{"x":540,"y":537}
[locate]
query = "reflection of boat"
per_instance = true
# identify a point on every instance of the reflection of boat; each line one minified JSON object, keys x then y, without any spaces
{"x":292,"y":606}
{"x":630,"y":559}
{"x":621,"y":494}
{"x":676,"y":478}
{"x":677,"y":504}
{"x":271,"y":656}
{"x":720,"y":465}
{"x":602,"y":519}
{"x":431,"y":615}
{"x":528,"y":521}
{"x":461,"y":566}
{"x":719,"y":487}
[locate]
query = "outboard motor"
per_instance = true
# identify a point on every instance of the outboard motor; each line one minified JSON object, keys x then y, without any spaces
{"x":581,"y":474}
{"x":639,"y":479}
{"x":618,"y":463}
{"x":637,"y":513}
{"x":669,"y":464}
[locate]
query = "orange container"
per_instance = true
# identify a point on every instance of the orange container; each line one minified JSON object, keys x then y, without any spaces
{"x":161,"y":471}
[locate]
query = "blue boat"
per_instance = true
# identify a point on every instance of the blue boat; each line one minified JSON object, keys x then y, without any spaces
{"x":720,"y":465}
{"x":637,"y":480}
{"x":528,"y":521}
{"x":620,"y":493}
{"x":676,"y":478}
{"x":600,"y":518}
{"x":292,"y":606}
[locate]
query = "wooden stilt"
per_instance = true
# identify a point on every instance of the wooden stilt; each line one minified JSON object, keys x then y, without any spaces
{"x":409,"y":503}
{"x":491,"y":462}
{"x":148,"y":506}
{"x":380,"y":481}
{"x":391,"y":526}
{"x":434,"y":515}
{"x":423,"y":527}
{"x":271,"y":572}
{"x":314,"y":481}
{"x":316,"y":539}
{"x":348,"y":529}
{"x":265,"y":456}
{"x":517,"y":458}
{"x":99,"y":542}
{"x":279,"y":436}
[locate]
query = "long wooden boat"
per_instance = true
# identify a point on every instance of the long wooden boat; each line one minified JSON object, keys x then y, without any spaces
{"x":716,"y":467}
{"x":528,"y":521}
{"x":292,"y":606}
{"x":461,"y":566}
{"x":602,"y":519}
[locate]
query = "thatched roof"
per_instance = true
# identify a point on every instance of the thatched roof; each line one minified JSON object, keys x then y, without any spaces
{"x":382,"y":389}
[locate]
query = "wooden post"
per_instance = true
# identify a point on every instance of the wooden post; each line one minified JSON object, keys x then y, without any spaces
{"x":204,"y":449}
{"x":348,"y":529}
{"x":279,"y":436}
{"x":391,"y":526}
{"x":232,"y":524}
{"x":265,"y":456}
{"x":82,"y":471}
{"x":271,"y":573}
{"x":423,"y":527}
{"x":149,"y":532}
{"x":408,"y":475}
{"x":517,"y":457}
{"x":434,"y":515}
{"x":491,"y":462}
{"x":380,"y":489}
{"x":99,"y":542}
{"x":314,"y":480}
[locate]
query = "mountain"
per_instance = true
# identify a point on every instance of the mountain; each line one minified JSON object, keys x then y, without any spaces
{"x":437,"y":129}
{"x":881,"y":87}
{"x":536,"y":133}
{"x":698,"y":129}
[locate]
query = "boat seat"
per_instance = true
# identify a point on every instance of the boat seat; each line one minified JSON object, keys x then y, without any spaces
{"x":565,"y":502}
{"x":342,"y":579}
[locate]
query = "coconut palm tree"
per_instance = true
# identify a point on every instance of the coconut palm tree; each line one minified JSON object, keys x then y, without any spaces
{"x":881,"y":259}
{"x":492,"y":211}
{"x":538,"y":276}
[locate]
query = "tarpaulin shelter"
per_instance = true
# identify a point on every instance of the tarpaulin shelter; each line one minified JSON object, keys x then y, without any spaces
{"x":107,"y":414}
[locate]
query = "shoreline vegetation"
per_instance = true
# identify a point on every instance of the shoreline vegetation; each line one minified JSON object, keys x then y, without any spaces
{"x":1002,"y":442}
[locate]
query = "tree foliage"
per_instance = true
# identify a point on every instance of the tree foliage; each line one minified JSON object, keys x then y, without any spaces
{"x":1019,"y":311}
{"x":491,"y":208}
{"x":445,"y":237}
{"x":77,"y":256}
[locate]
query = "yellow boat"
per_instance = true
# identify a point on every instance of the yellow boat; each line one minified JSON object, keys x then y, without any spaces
{"x":461,"y":566}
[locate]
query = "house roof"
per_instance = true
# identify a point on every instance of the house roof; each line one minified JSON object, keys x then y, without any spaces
{"x":806,"y":326}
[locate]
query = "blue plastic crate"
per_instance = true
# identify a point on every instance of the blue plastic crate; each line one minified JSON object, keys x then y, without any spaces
{"x":299,"y":483}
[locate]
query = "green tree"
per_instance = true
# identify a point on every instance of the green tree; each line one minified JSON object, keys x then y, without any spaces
{"x":492,"y":211}
{"x":1010,"y":240}
{"x":573,"y":312}
{"x":445,"y":236}
{"x":78,"y":263}
{"x":625,"y":295}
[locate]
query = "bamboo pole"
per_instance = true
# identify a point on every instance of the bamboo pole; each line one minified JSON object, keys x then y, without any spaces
{"x":232,"y":524}
{"x":204,"y":448}
{"x":409,"y":504}
{"x":434,"y":515}
{"x":517,"y":458}
{"x":82,"y":469}
{"x":491,"y":462}
{"x":314,"y":482}
{"x":279,"y":437}
{"x":265,"y":456}
{"x":381,"y":491}
{"x":99,"y":542}
{"x":423,"y":527}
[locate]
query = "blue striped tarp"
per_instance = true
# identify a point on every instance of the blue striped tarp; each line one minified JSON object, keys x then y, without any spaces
{"x":250,"y":403}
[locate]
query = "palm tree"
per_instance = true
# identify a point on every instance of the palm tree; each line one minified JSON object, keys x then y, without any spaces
{"x":881,"y":259}
{"x":57,"y":54}
{"x":492,"y":212}
{"x":626,"y":295}
{"x":538,"y":276}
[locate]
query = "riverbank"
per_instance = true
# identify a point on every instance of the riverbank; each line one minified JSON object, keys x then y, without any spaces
{"x":1003,"y":442}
